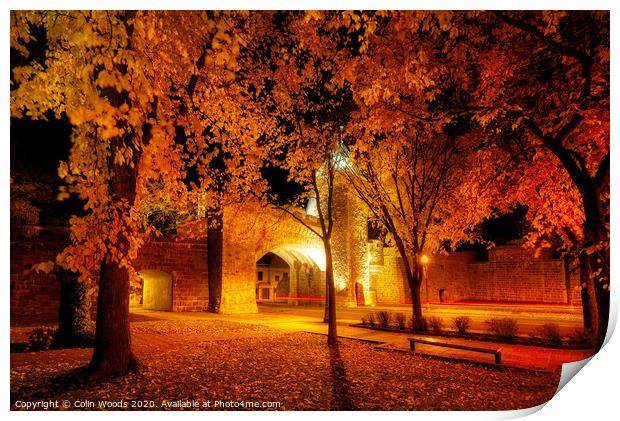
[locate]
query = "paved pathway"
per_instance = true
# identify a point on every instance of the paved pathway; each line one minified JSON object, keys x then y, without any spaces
{"x":304,"y":320}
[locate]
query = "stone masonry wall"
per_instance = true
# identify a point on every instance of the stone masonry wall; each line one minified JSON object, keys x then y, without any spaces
{"x":34,"y":294}
{"x":511,"y":274}
{"x":37,"y":295}
{"x":389,"y":280}
{"x":186,"y":262}
{"x":450,"y":275}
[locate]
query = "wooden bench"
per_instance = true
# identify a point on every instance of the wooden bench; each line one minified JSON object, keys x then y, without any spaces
{"x":496,"y":352}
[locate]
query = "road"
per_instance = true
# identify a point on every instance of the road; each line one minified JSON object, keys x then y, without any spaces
{"x":529,"y":317}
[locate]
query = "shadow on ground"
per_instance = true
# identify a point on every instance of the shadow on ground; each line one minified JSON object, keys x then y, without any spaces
{"x":341,"y":387}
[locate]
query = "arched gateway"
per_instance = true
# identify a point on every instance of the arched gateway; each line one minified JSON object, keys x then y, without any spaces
{"x":270,"y":256}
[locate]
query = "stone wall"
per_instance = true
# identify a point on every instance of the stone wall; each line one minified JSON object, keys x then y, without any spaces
{"x":35,"y":294}
{"x":251,"y":231}
{"x":450,"y":275}
{"x":389,"y":279}
{"x":509,"y":274}
{"x":370,"y":272}
{"x":350,"y":247}
{"x":186,"y":262}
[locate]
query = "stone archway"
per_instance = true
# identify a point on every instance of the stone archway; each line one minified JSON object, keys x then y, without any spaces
{"x":252,"y":230}
{"x":294,"y":275}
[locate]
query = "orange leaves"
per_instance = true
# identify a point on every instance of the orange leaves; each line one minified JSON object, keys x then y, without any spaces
{"x":220,"y":94}
{"x":45,"y":267}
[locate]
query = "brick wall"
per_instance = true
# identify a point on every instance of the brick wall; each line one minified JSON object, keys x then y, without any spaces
{"x":37,"y":295}
{"x":34,"y":294}
{"x":511,"y":274}
{"x":389,"y":280}
{"x":186,"y":262}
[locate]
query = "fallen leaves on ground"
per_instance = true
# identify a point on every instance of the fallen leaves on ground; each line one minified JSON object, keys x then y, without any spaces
{"x":214,"y":360}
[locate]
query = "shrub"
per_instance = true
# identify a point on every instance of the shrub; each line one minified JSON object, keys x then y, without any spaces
{"x":40,"y":339}
{"x":549,"y":332}
{"x":461,"y":324}
{"x":75,"y":328}
{"x":383,"y":318}
{"x":420,"y":325}
{"x":435,"y":323}
{"x":410,"y":323}
{"x":505,"y":328}
{"x":580,"y":337}
{"x":370,"y":319}
{"x":401,"y":320}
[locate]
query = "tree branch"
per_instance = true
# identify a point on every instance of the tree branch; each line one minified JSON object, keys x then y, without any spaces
{"x":582,"y":57}
{"x":602,"y":171}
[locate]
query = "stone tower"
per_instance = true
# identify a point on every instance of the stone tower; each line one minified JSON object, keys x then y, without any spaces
{"x":350,"y":246}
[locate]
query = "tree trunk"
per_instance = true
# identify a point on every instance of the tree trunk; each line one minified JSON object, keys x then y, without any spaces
{"x":215,"y":246}
{"x":414,"y":279}
{"x":602,"y":302}
{"x":586,"y":308}
{"x":326,"y":307}
{"x":597,"y":263}
{"x":413,"y":274}
{"x":588,"y":298}
{"x":112,"y":354}
{"x":598,"y":289}
{"x":75,"y":326}
{"x":416,"y":302}
{"x":332,"y":334}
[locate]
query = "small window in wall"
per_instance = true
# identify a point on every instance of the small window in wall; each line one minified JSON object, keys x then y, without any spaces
{"x":277,"y":278}
{"x":260,"y":276}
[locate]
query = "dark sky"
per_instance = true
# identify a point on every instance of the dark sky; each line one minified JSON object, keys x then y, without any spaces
{"x":39,"y":145}
{"x":36,"y":149}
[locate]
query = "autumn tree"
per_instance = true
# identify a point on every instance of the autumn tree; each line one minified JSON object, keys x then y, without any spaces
{"x":541,"y":90}
{"x":102,"y":166}
{"x":301,"y":58}
{"x":413,"y":163}
{"x":215,"y":129}
{"x":97,"y":68}
{"x":538,"y":180}
{"x":421,"y":188}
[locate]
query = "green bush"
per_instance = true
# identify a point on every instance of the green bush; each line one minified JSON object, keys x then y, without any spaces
{"x":461,"y":324}
{"x":435,"y":323}
{"x":401,"y":320}
{"x":383,"y":318}
{"x":549,"y":332}
{"x":40,"y":339}
{"x":506,"y":328}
